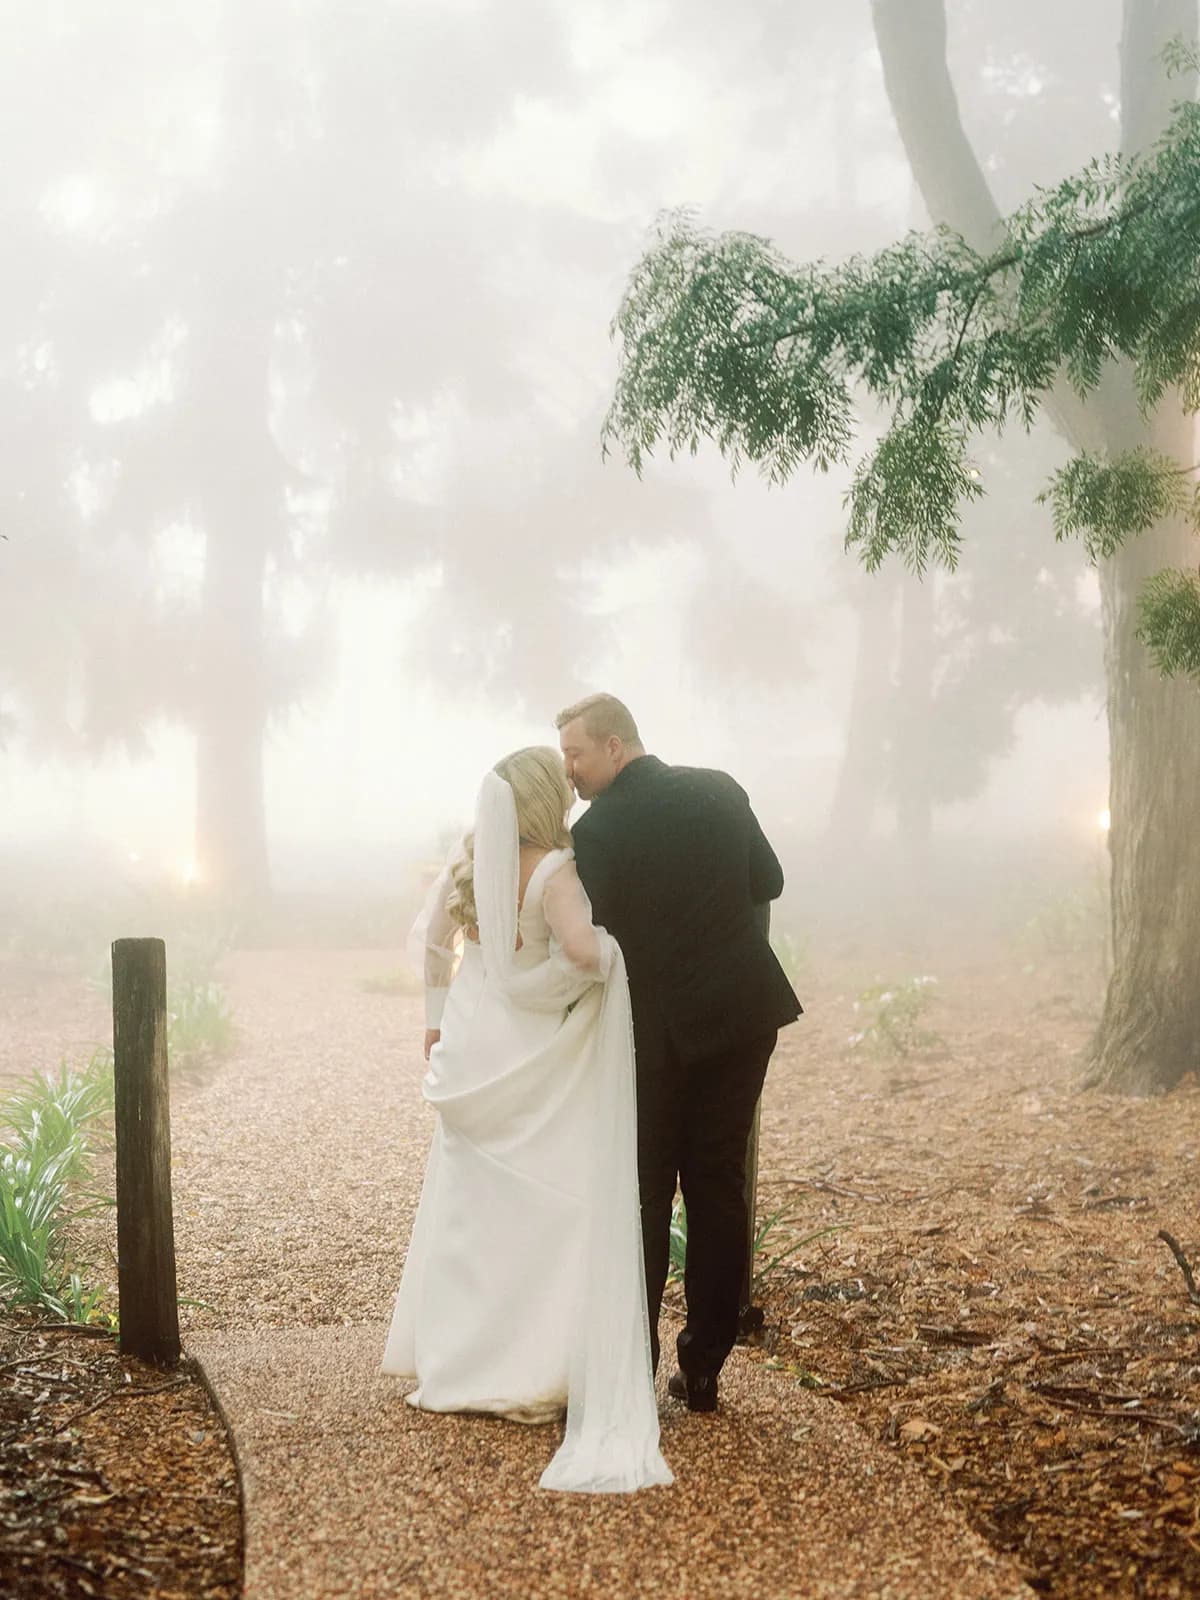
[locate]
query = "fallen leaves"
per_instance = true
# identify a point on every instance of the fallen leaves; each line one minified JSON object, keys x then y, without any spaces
{"x":109,"y":1500}
{"x":1010,"y":1322}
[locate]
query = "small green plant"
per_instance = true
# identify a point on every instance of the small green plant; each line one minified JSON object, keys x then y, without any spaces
{"x":678,"y":1247}
{"x":893,"y":1019}
{"x":1070,"y":931}
{"x":199,"y":1021}
{"x":43,"y":1167}
{"x":49,"y":1114}
{"x":763,"y":1232}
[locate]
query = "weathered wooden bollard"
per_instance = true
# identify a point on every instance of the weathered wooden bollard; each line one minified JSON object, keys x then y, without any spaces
{"x":145,"y":1226}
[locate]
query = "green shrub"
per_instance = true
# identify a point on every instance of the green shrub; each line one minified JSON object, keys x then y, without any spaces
{"x":892,"y":1019}
{"x":199,"y":1022}
{"x":43,"y":1166}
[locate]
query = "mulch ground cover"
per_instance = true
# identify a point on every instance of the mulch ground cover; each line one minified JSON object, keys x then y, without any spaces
{"x":996,"y":1304}
{"x":116,"y":1479}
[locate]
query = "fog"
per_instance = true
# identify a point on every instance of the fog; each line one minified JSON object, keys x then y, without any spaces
{"x":306,"y":353}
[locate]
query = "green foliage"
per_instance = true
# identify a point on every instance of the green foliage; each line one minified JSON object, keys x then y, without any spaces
{"x":1070,"y":930}
{"x":1170,"y":622}
{"x":678,"y":1245}
{"x":906,"y":496}
{"x":198,"y":1020}
{"x":42,"y":1168}
{"x":1107,"y":499}
{"x":721,"y":338}
{"x":893,"y":1022}
{"x":49,"y":1115}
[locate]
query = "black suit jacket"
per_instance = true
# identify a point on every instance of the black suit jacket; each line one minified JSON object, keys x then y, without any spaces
{"x":675,"y":863}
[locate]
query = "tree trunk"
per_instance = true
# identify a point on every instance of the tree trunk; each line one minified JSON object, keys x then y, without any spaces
{"x":240,"y":507}
{"x":912,"y":725}
{"x":231,"y":835}
{"x":1149,"y":1035}
{"x":862,"y":774}
{"x":911,"y":35}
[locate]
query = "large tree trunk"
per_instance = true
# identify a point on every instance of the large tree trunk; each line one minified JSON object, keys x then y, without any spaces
{"x":912,"y":728}
{"x":1149,"y":1035}
{"x":240,"y":508}
{"x":911,"y":35}
{"x":231,"y":837}
{"x":861,"y":774}
{"x":1150,"y":1032}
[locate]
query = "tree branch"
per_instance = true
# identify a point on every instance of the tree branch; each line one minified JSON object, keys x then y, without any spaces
{"x":911,"y":35}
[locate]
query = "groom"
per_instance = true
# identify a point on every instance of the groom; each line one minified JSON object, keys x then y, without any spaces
{"x":675,"y":863}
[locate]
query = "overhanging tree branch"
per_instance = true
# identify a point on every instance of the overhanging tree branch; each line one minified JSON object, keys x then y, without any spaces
{"x":911,"y":36}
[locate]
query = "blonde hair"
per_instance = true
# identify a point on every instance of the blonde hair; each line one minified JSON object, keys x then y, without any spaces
{"x":542,"y":797}
{"x":603,"y":717}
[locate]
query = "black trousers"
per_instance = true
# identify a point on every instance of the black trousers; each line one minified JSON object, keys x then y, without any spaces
{"x":693,"y":1123}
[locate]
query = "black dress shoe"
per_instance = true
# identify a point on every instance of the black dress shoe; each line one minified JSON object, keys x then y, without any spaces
{"x":700,"y":1393}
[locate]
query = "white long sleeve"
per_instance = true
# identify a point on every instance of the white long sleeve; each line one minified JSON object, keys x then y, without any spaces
{"x":569,"y":917}
{"x":433,"y":946}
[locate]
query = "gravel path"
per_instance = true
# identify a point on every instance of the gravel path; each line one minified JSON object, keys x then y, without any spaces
{"x":296,"y":1171}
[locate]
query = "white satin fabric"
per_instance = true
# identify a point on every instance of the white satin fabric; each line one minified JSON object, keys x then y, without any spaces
{"x":523,"y":1290}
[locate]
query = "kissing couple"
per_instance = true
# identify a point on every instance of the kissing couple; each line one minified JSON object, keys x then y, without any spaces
{"x":601,"y":1004}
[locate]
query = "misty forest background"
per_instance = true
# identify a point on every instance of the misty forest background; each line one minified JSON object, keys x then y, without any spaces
{"x":304,"y":358}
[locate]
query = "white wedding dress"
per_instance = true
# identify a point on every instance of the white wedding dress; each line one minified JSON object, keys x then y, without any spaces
{"x":522,"y":1292}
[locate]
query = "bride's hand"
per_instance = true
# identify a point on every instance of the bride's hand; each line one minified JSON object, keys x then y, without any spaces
{"x":432,"y":1035}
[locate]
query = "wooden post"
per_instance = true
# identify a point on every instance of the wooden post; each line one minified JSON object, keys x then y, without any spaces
{"x":145,"y":1227}
{"x":751,"y":1315}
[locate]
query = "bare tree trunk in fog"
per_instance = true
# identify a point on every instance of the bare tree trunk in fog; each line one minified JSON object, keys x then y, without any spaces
{"x":861,"y":776}
{"x":863,"y":772}
{"x":911,"y":35}
{"x":231,"y":833}
{"x":1149,"y":1035}
{"x":912,"y":724}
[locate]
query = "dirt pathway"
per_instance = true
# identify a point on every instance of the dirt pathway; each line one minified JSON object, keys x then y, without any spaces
{"x":297,"y":1170}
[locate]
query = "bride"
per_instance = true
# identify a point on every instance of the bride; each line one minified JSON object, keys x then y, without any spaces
{"x":523,"y":1289}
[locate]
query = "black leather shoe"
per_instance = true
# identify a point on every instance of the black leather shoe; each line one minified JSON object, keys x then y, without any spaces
{"x":700,"y":1393}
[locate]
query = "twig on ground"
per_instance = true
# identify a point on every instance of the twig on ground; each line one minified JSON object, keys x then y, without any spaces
{"x":88,"y":1329}
{"x":935,"y":1334}
{"x":116,"y":1394}
{"x":1119,"y":1413}
{"x":833,"y":1188}
{"x":1177,"y":1251}
{"x":864,"y":1387}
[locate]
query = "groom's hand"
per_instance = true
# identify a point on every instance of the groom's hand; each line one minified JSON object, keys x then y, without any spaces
{"x":432,"y":1035}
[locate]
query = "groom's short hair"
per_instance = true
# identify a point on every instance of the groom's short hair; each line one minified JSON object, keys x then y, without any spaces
{"x":603,"y":716}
